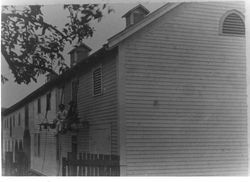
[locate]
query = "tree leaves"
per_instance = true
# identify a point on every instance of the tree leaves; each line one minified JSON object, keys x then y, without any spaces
{"x":32,"y":46}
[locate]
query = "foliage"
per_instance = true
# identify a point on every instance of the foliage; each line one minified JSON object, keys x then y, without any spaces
{"x":31,"y":46}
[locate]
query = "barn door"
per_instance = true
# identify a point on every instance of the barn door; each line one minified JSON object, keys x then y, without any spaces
{"x":100,"y":140}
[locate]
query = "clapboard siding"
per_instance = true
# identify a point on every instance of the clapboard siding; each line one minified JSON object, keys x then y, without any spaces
{"x":46,"y":163}
{"x":185,"y":95}
{"x":17,"y":131}
{"x":83,"y":140}
{"x":100,"y":111}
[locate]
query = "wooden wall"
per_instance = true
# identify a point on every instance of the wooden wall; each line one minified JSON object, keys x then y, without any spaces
{"x":17,"y":130}
{"x":46,"y":162}
{"x":185,"y":95}
{"x":100,"y":111}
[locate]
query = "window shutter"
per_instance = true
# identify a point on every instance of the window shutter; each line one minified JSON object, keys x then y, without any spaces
{"x":19,"y":119}
{"x":74,"y":88}
{"x":14,"y":121}
{"x":233,"y":24}
{"x":39,"y":105}
{"x":48,"y":104}
{"x":97,"y":81}
{"x":10,"y":127}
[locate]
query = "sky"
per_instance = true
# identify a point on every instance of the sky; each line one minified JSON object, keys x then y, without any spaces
{"x":111,"y":24}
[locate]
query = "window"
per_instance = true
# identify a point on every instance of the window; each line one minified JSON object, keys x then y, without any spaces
{"x":11,"y":147}
{"x":138,"y":16}
{"x":37,"y":144}
{"x":61,"y":94}
{"x":14,"y":121}
{"x":6,"y":146}
{"x":127,"y":21}
{"x":20,"y":146}
{"x":74,"y":145}
{"x":48,"y":104}
{"x":39,"y":105}
{"x":233,"y":23}
{"x":10,"y":126}
{"x":97,"y":81}
{"x":26,"y":116}
{"x":74,"y":87}
{"x":19,"y":119}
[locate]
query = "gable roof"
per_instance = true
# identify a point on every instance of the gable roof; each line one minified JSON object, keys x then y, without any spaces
{"x":116,"y":39}
{"x":137,"y":7}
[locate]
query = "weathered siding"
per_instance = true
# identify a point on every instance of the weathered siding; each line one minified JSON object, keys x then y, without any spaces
{"x":185,"y":95}
{"x":46,"y":163}
{"x":17,"y":131}
{"x":100,"y":111}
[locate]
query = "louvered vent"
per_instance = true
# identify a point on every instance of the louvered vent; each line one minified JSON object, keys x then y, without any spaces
{"x":97,"y":81}
{"x":233,"y":24}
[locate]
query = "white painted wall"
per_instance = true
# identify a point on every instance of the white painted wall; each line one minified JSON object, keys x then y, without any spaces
{"x":184,"y":95}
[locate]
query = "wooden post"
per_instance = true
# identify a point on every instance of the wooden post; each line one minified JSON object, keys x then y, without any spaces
{"x":84,"y":168}
{"x":101,"y":168}
{"x":80,"y":166}
{"x":94,"y":164}
{"x":63,"y":166}
{"x":88,"y":157}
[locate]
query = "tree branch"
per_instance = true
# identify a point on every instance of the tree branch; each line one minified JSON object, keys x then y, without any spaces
{"x":43,"y":24}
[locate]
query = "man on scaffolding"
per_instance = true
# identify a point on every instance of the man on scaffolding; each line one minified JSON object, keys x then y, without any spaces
{"x":66,"y":119}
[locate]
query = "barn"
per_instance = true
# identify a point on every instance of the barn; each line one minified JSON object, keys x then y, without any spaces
{"x":166,"y":96}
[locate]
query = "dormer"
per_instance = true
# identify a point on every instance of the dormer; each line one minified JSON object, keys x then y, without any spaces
{"x":78,"y":53}
{"x":135,"y":15}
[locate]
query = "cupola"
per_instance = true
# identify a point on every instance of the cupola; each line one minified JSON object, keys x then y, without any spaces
{"x":79,"y":53}
{"x":135,"y":15}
